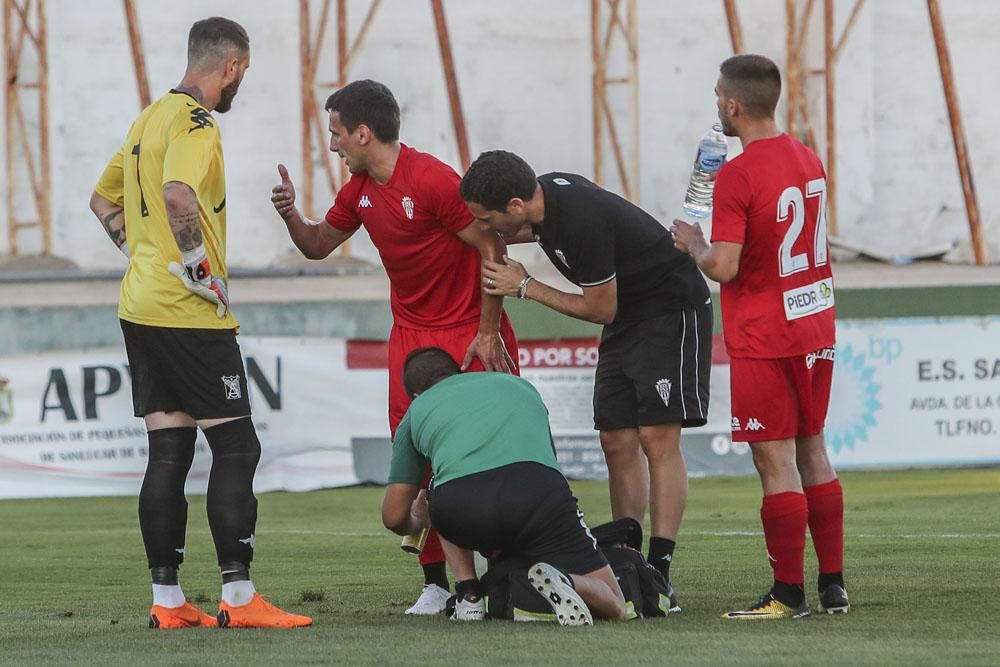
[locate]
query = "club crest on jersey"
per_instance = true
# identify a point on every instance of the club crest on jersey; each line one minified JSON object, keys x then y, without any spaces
{"x":663,"y":389}
{"x":232,"y":385}
{"x":408,"y":207}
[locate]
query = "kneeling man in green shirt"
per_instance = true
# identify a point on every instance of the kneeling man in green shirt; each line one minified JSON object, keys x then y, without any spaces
{"x":497,"y":487}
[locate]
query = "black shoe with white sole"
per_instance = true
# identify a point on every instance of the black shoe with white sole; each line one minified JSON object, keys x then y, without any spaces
{"x":833,"y":600}
{"x":558,"y":591}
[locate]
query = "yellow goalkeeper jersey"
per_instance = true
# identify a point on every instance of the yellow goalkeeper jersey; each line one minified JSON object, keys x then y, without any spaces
{"x":173,"y":139}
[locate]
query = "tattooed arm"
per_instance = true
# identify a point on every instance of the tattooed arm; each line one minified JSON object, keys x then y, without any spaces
{"x":182,"y":211}
{"x":113,"y":218}
{"x":185,"y":224}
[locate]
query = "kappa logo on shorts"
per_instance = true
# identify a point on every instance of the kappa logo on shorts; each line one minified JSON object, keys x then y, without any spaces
{"x":232,"y":384}
{"x":408,"y":208}
{"x":365,"y":202}
{"x":753,"y":424}
{"x":663,"y":389}
{"x":826,"y":354}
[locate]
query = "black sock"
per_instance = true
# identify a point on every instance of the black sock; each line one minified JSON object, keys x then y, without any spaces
{"x":661,"y":554}
{"x":162,"y":506}
{"x":164,"y":575}
{"x":234,"y":571}
{"x":232,"y":507}
{"x":434,"y":573}
{"x":470,"y":590}
{"x":790,"y":594}
{"x":833,"y":578}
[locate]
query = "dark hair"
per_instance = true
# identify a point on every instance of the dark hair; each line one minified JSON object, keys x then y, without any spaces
{"x":212,"y":40}
{"x":425,"y":367}
{"x":495,"y":178}
{"x":754,"y":81}
{"x":370,"y":103}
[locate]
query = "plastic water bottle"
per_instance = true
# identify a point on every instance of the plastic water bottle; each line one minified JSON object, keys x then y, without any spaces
{"x":711,"y":157}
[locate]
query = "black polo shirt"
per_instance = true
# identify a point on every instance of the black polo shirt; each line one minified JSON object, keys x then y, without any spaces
{"x":593,"y":236}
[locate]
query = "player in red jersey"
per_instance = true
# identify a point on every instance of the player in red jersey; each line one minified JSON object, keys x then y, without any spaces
{"x":769,"y":250}
{"x":431,"y":248}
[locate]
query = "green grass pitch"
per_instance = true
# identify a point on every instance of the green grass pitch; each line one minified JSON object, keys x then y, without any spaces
{"x":923,"y":571}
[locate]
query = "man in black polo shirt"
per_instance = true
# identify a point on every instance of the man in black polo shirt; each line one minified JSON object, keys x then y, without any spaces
{"x":656,"y":347}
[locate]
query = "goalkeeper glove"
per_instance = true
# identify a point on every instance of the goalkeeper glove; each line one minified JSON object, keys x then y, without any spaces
{"x":196,"y":274}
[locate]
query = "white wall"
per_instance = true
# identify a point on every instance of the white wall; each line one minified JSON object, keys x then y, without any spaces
{"x":524,"y":71}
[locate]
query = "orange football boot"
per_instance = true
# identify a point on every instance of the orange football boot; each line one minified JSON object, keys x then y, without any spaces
{"x":185,"y":616}
{"x":259,"y":613}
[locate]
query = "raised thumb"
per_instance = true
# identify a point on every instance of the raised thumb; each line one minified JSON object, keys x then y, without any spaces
{"x":285,"y":180}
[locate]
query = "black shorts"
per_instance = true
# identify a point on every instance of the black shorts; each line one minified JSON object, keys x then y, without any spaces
{"x":522,"y":510}
{"x":655,"y":371}
{"x":197,"y":371}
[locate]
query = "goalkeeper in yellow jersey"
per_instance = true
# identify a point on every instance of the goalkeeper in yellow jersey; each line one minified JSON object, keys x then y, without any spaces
{"x":162,"y":200}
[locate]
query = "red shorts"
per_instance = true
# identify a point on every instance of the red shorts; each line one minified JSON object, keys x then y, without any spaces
{"x":777,"y":399}
{"x":455,"y":341}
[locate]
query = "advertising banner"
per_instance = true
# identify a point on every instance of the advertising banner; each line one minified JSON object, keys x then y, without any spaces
{"x":67,"y":429}
{"x":909,"y":392}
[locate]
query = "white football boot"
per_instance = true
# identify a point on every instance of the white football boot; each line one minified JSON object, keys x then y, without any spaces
{"x":432,"y":601}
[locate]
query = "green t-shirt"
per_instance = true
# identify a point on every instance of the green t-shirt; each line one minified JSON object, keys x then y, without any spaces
{"x":469,"y":423}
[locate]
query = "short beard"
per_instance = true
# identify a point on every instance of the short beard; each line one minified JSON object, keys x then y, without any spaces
{"x":727,"y":127}
{"x":226,"y":97}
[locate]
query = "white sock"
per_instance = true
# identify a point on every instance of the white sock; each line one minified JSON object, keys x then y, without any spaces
{"x":170,"y":597}
{"x":238,"y":593}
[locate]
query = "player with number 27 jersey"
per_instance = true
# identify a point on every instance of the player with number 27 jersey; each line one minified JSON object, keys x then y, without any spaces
{"x":782,"y":304}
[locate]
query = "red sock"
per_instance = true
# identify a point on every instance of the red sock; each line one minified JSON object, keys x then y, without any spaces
{"x":432,"y":553}
{"x":784,"y":516}
{"x":826,"y":524}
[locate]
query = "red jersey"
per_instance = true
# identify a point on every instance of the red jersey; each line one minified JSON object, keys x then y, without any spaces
{"x":772,"y":200}
{"x":413,"y":221}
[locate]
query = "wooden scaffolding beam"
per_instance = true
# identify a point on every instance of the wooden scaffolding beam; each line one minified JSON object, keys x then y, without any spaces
{"x":604,"y":28}
{"x":26,"y":149}
{"x":800,"y":122}
{"x":138,"y":53}
{"x":957,"y":132}
{"x":735,"y":26}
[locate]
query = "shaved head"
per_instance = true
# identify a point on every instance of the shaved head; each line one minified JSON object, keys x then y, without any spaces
{"x":753,"y":81}
{"x":213,"y":41}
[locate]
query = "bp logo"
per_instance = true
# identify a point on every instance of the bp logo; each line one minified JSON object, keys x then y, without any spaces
{"x":6,"y":401}
{"x":854,"y":401}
